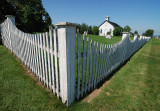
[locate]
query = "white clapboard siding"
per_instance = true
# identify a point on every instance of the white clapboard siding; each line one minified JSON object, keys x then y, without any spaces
{"x":99,"y":64}
{"x":40,"y":58}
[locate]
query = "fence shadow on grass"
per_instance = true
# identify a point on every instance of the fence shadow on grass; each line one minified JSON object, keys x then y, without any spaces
{"x":110,"y":75}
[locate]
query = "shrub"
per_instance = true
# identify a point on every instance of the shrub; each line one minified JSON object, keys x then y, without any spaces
{"x":117,"y":31}
{"x":136,"y":32}
{"x":95,"y":30}
{"x":108,"y":33}
{"x":126,"y":29}
{"x":149,"y":32}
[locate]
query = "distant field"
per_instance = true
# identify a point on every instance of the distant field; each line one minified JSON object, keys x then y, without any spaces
{"x":135,"y":86}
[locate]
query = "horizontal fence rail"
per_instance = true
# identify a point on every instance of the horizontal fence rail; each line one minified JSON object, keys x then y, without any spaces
{"x":68,"y":64}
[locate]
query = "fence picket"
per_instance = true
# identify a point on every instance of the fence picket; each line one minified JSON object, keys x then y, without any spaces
{"x":41,"y":54}
{"x":45,"y":59}
{"x":87,"y":65}
{"x":83,"y":65}
{"x":79,"y":63}
{"x":90,"y":66}
{"x":52,"y":61}
{"x":96,"y":68}
{"x":49,"y":62}
{"x":56,"y":64}
{"x":93,"y":69}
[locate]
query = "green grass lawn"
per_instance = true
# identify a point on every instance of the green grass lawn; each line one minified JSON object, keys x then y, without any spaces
{"x":104,"y":40}
{"x":136,"y":86}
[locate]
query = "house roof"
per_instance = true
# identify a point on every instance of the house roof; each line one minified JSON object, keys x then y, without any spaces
{"x":112,"y":23}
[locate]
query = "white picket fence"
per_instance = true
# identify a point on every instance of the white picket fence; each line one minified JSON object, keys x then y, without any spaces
{"x":37,"y":51}
{"x":98,"y":61}
{"x":69,"y":68}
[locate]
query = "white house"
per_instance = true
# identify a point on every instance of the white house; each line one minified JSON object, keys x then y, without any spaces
{"x":107,"y":26}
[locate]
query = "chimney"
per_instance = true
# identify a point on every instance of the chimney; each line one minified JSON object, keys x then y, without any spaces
{"x":107,"y":18}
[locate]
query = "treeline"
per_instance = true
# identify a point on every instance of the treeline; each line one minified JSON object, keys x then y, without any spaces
{"x":30,"y":15}
{"x":118,"y":31}
{"x":90,"y":29}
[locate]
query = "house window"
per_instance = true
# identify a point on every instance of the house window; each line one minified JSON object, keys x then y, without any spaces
{"x":101,"y":31}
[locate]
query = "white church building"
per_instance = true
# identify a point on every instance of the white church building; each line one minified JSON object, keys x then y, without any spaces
{"x":107,"y":26}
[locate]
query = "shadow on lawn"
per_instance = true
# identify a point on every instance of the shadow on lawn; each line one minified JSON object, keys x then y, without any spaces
{"x":109,"y":76}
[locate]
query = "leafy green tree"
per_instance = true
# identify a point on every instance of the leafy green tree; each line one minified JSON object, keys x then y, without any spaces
{"x":136,"y":32}
{"x":117,"y":31}
{"x":90,"y":30}
{"x":30,"y":14}
{"x":95,"y":30}
{"x":131,"y":34}
{"x":149,"y":33}
{"x":126,"y":29}
{"x":109,"y":33}
{"x":83,"y":28}
{"x":6,"y":9}
{"x":78,"y":27}
{"x":143,"y":34}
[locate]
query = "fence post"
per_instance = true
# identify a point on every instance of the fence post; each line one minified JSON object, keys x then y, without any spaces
{"x":12,"y":18}
{"x":135,"y":36}
{"x":67,"y":60}
{"x":124,"y":35}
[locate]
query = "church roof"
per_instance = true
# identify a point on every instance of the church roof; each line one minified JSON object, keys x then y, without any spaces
{"x":112,"y":23}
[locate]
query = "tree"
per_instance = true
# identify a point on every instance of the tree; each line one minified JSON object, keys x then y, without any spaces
{"x":95,"y":30}
{"x":131,"y":34}
{"x":78,"y":27}
{"x":117,"y":31}
{"x":90,"y":30}
{"x":109,"y":33}
{"x":30,"y":14}
{"x":84,"y":27}
{"x":6,"y":9}
{"x":149,"y":33}
{"x":136,"y":32}
{"x":126,"y":29}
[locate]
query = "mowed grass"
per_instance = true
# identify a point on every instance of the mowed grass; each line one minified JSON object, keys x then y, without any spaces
{"x":136,"y":86}
{"x":104,"y":40}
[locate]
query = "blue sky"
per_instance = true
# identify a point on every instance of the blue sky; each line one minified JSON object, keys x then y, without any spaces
{"x":140,"y":15}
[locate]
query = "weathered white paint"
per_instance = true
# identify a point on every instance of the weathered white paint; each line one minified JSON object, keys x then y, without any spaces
{"x":108,"y":36}
{"x":106,"y":27}
{"x":12,"y":18}
{"x":67,"y":56}
{"x":125,"y":35}
{"x":79,"y":64}
{"x":135,"y":36}
{"x":98,"y":62}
